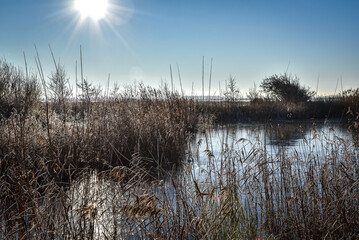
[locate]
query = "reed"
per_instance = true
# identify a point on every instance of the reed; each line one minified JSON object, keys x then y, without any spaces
{"x":121,"y":167}
{"x":286,"y":194}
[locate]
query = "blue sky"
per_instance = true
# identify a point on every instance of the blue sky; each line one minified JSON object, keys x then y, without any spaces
{"x":249,"y":39}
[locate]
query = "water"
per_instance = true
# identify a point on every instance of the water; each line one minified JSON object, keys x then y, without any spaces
{"x":211,"y":147}
{"x":212,"y":154}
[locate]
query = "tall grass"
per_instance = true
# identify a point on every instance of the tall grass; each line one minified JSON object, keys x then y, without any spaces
{"x":311,"y":193}
{"x":264,"y":110}
{"x":120,"y":167}
{"x":43,"y":153}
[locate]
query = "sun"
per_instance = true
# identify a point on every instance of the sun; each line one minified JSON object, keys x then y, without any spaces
{"x":97,"y":15}
{"x":94,"y":9}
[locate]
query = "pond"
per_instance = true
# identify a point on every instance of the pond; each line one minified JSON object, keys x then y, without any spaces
{"x":213,"y":145}
{"x":217,"y":158}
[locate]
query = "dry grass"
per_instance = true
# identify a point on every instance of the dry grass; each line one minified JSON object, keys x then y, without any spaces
{"x":306,"y":194}
{"x":116,"y":169}
{"x":42,"y":155}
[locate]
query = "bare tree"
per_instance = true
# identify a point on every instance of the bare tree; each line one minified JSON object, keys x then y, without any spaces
{"x":253,"y":94}
{"x":232,"y":91}
{"x":59,"y":89}
{"x":17,"y":92}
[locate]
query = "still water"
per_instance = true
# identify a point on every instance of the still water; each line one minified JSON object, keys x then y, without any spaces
{"x":305,"y":139}
{"x":100,"y":204}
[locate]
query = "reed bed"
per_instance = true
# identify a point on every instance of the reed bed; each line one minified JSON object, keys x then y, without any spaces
{"x":120,"y":166}
{"x":267,"y":110}
{"x":308,"y":193}
{"x":43,"y":153}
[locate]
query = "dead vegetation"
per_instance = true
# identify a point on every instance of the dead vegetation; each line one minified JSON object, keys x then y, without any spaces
{"x":116,"y":167}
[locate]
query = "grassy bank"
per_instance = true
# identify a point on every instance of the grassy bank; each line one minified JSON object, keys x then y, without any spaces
{"x":113,"y":165}
{"x":241,"y":193}
{"x":344,"y":108}
{"x":308,"y":192}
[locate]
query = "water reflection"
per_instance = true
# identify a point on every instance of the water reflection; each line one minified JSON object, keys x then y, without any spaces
{"x":302,"y":137}
{"x":101,"y":206}
{"x":285,"y":134}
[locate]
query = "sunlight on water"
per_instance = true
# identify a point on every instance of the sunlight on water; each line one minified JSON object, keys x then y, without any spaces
{"x":94,"y":203}
{"x":216,"y":157}
{"x":211,"y":147}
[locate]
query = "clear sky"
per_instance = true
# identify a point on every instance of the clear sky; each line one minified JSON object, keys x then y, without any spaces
{"x":139,"y":39}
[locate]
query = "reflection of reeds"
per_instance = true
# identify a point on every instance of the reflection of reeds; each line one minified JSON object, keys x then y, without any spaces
{"x":308,"y":195}
{"x":104,"y":169}
{"x":135,"y":138}
{"x":50,"y":192}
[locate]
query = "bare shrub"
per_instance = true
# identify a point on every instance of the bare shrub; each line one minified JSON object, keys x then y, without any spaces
{"x":17,"y":91}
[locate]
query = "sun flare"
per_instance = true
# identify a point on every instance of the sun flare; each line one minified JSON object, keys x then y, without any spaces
{"x":94,"y":9}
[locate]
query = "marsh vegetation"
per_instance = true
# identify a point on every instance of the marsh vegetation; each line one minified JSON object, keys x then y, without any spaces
{"x":140,"y":163}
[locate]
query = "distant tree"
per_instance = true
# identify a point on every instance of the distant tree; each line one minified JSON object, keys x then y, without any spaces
{"x":17,"y":91}
{"x":253,"y":94}
{"x":286,"y":88}
{"x":89,"y":91}
{"x":59,"y":88}
{"x":232,"y":91}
